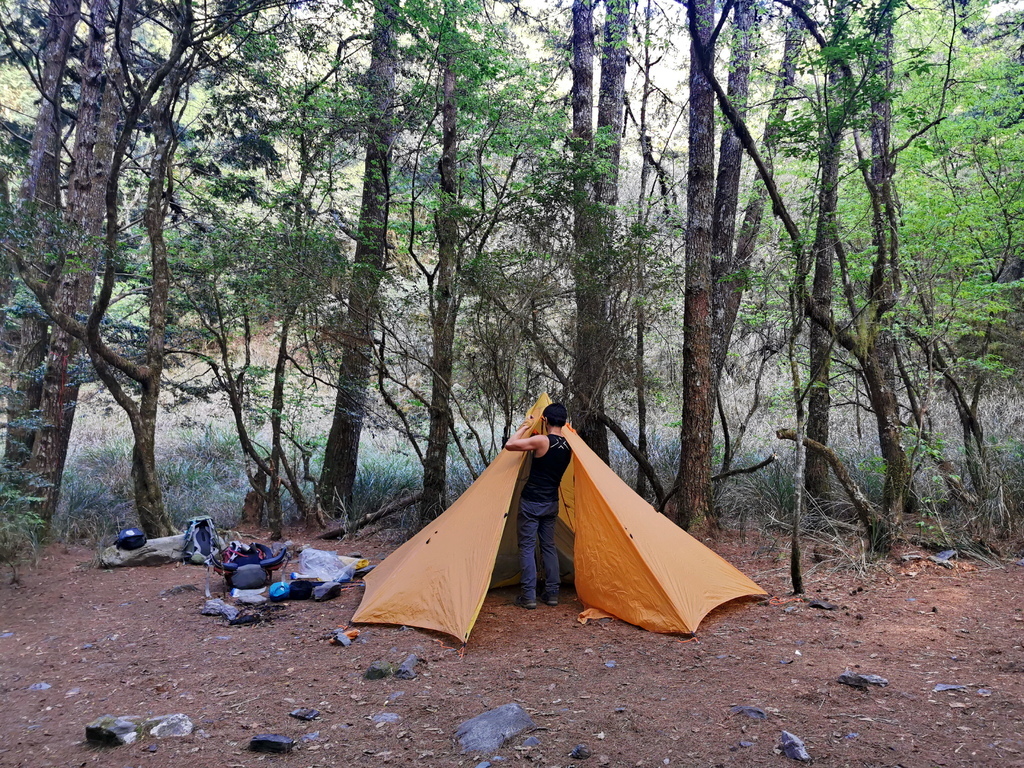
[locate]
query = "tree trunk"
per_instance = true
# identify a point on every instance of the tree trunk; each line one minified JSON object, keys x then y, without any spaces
{"x":727,"y":185}
{"x":819,"y":401}
{"x":40,"y":201}
{"x":694,"y":478}
{"x":98,"y":110}
{"x":588,"y":372}
{"x":341,"y":454}
{"x":444,"y":308}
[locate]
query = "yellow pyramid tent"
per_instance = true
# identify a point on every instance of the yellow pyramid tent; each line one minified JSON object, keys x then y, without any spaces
{"x":627,"y":560}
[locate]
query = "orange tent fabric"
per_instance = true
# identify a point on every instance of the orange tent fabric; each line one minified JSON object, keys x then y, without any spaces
{"x":627,"y":560}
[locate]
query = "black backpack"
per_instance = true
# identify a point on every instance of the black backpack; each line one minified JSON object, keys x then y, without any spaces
{"x":130,"y":538}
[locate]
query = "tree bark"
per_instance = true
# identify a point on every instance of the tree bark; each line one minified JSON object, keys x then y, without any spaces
{"x":589,"y":365}
{"x":694,"y":477}
{"x":40,"y":200}
{"x":727,"y":184}
{"x":341,"y":454}
{"x":819,"y":401}
{"x":444,"y":305}
{"x":98,"y":110}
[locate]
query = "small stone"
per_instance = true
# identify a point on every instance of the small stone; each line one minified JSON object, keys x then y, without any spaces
{"x":218,"y":607}
{"x":168,"y":725}
{"x":755,"y":713}
{"x":271,"y":742}
{"x":488,"y":731}
{"x":379,"y":670}
{"x":531,"y":741}
{"x":386,"y":717}
{"x":861,"y":681}
{"x":610,"y":664}
{"x":312,"y":736}
{"x":746,"y":744}
{"x":793,"y":747}
{"x":823,"y":605}
{"x":407,"y":671}
{"x":484,"y":764}
{"x":580,"y":752}
{"x":305,"y":713}
{"x":947,"y":687}
{"x":7,"y":634}
{"x":39,"y":687}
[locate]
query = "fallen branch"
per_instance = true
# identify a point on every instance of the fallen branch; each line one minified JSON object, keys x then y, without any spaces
{"x":395,"y":505}
{"x":866,"y":511}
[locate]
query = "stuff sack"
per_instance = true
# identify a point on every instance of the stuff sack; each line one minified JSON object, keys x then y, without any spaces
{"x":249,"y":577}
{"x":201,"y":540}
{"x":130,"y":538}
{"x":237,"y":556}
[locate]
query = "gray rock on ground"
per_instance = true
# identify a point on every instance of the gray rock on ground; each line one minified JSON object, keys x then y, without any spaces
{"x":488,"y":731}
{"x":793,"y":747}
{"x":407,"y":671}
{"x":861,"y":681}
{"x":112,"y":731}
{"x":379,"y":670}
{"x":218,"y":607}
{"x":153,"y":552}
{"x":168,"y":725}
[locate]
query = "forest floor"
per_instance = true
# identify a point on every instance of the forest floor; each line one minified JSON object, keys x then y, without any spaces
{"x":115,"y":642}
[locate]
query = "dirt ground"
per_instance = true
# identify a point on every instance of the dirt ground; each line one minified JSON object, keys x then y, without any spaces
{"x":112,"y":642}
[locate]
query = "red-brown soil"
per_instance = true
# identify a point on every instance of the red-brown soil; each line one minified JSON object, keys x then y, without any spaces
{"x":108,"y":642}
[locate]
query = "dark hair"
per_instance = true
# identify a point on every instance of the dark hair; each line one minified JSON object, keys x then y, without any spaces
{"x":556,"y":415}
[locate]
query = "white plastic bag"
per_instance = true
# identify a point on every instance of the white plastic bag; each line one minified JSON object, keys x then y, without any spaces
{"x":325,"y":566}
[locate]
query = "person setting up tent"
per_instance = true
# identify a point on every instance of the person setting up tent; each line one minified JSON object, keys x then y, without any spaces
{"x":538,"y":505}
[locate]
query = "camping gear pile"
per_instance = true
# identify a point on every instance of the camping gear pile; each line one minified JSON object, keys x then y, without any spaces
{"x":627,"y":560}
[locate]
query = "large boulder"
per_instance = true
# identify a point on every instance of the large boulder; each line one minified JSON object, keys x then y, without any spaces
{"x":153,"y":552}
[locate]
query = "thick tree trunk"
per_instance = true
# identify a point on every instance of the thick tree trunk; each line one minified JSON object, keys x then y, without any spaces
{"x":590,"y":342}
{"x":444,"y":309}
{"x":341,"y":454}
{"x":40,"y":200}
{"x":694,"y":478}
{"x":98,"y":110}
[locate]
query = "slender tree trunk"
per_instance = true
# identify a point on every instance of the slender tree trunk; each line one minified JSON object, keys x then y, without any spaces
{"x":729,"y":277}
{"x":444,"y":309}
{"x":275,"y":513}
{"x":819,"y":403}
{"x":341,"y":454}
{"x":727,"y":185}
{"x":694,"y":478}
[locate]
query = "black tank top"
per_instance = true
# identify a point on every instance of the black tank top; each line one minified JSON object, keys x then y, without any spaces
{"x":547,"y":470}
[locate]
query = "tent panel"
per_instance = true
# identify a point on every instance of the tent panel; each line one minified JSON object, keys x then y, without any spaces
{"x":438,"y":579}
{"x":637,"y":564}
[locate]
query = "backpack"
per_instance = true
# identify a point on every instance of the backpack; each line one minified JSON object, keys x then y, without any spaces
{"x":130,"y":538}
{"x":201,"y":540}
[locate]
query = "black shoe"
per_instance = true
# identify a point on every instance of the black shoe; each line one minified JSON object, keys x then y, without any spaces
{"x":549,"y":599}
{"x":522,"y":602}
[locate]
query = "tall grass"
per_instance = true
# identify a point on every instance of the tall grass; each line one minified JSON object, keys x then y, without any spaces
{"x":201,"y":473}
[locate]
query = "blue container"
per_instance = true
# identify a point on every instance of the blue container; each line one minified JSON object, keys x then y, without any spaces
{"x":279,"y":591}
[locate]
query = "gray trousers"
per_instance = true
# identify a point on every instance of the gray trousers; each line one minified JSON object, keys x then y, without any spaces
{"x":537,"y":521}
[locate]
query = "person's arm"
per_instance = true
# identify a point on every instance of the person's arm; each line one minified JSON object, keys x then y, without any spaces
{"x":520,"y":442}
